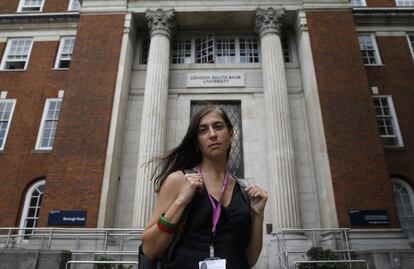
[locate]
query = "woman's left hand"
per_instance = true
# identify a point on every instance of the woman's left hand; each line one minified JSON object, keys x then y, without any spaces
{"x":258,"y":199}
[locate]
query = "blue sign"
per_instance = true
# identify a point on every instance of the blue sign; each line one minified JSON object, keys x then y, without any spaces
{"x":369,"y":217}
{"x":66,"y":218}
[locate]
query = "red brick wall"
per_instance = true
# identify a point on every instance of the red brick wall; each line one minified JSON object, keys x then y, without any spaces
{"x":18,"y":165}
{"x":396,"y":78}
{"x":76,"y":169}
{"x":56,"y":5}
{"x":380,"y":3}
{"x":359,"y":173}
{"x":10,"y":6}
{"x":2,"y":47}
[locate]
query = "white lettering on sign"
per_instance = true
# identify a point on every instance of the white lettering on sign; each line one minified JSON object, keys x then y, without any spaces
{"x":73,"y":219}
{"x":215,"y":80}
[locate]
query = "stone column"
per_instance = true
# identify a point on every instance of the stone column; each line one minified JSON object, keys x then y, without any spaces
{"x":280,"y":157}
{"x":153,"y":123}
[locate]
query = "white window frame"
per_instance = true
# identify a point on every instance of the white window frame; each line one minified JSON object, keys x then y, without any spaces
{"x":144,"y":53}
{"x":26,"y":205}
{"x":404,"y":3}
{"x":180,"y":51}
{"x":411,"y":43}
{"x":248,"y":51}
{"x":358,"y":3}
{"x":13,"y":101}
{"x":7,"y":52}
{"x":208,"y":51}
{"x":375,"y":46}
{"x":71,"y":6}
{"x":21,"y":7}
{"x":226,"y":55}
{"x":42,"y":124}
{"x":394,"y":120}
{"x":60,"y":50}
{"x":410,"y":192}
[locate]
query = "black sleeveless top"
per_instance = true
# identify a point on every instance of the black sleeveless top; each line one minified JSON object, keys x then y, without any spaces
{"x":232,"y":234}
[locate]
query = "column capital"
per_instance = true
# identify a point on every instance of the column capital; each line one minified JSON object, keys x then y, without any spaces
{"x":161,"y":21}
{"x":268,"y":20}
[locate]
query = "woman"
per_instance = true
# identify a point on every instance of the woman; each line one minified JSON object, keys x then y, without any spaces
{"x":225,"y":219}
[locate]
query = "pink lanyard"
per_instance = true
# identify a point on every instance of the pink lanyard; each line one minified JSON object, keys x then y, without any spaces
{"x":216,"y":207}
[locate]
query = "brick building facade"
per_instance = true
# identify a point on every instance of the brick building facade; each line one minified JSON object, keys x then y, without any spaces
{"x":74,"y":91}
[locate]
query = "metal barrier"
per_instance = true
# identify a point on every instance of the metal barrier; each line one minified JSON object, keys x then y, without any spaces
{"x":81,"y":242}
{"x":339,"y":234}
{"x":100,"y":262}
{"x":10,"y":236}
{"x":331,"y":261}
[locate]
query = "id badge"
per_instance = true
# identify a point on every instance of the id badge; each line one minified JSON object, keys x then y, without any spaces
{"x":212,"y":264}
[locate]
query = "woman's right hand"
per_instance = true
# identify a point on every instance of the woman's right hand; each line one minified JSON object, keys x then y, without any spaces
{"x":192,"y":184}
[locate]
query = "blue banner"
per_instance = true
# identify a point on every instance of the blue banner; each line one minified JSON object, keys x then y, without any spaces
{"x":67,"y":218}
{"x":369,"y":217}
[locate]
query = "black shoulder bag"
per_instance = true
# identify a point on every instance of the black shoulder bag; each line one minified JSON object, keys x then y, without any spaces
{"x":159,"y":262}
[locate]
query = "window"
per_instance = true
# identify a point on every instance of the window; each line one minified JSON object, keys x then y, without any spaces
{"x":233,"y":110}
{"x":387,"y":121}
{"x":358,"y":3}
{"x":405,"y":2}
{"x":204,"y":48}
{"x":6,"y":113}
{"x":64,"y":55}
{"x":74,"y":5}
{"x":31,"y":208}
{"x":49,"y":123}
{"x":286,"y":50}
{"x":225,"y":50}
{"x":369,"y":49}
{"x":30,"y":5}
{"x":145,"y":51}
{"x":17,"y":53}
{"x":181,"y":52}
{"x":249,"y":50}
{"x":404,"y":199}
{"x":215,"y":49}
{"x":411,"y":43}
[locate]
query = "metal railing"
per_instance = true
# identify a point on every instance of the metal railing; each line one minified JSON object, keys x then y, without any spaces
{"x":76,"y":240}
{"x":83,"y":243}
{"x":67,"y":266}
{"x":296,"y":263}
{"x":337,"y":237}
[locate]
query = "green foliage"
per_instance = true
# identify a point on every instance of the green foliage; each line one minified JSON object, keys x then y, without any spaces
{"x":319,"y":254}
{"x":111,"y":266}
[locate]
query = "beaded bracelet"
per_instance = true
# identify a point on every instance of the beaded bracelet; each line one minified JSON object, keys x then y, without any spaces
{"x":166,"y":226}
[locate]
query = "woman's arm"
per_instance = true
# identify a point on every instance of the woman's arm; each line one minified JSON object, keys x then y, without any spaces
{"x":175,"y":194}
{"x":258,"y":199}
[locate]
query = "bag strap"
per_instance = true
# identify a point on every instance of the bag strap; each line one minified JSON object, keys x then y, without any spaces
{"x":243,"y":187}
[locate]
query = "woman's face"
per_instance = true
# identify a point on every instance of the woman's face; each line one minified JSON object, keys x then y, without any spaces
{"x":213,"y":135}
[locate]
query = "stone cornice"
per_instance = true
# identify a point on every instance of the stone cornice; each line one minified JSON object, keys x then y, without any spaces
{"x":384,"y":16}
{"x":161,"y":21}
{"x":269,"y":20}
{"x":29,"y":18}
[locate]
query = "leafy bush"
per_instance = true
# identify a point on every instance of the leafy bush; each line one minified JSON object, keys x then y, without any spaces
{"x":319,"y":254}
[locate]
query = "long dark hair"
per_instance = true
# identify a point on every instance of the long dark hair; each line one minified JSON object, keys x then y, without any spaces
{"x":186,"y":155}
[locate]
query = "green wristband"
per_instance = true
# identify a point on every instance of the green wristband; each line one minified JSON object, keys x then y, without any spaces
{"x":165,"y":222}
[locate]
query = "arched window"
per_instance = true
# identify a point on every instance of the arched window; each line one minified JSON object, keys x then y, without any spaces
{"x":404,"y":200}
{"x":31,"y":207}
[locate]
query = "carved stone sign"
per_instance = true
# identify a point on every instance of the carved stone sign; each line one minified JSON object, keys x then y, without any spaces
{"x":216,"y":80}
